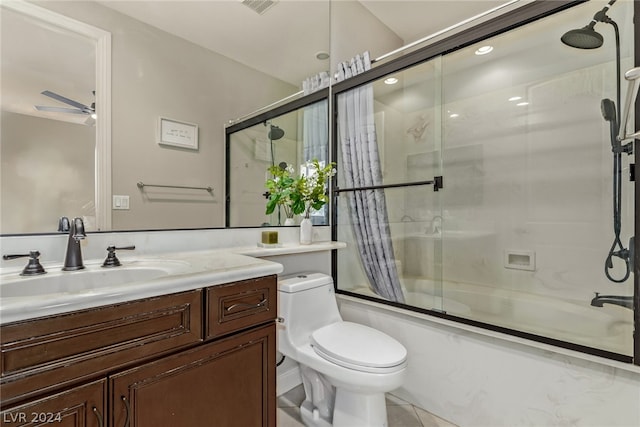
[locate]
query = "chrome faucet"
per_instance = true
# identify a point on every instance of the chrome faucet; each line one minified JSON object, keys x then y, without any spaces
{"x":73,"y":258}
{"x":622,"y":301}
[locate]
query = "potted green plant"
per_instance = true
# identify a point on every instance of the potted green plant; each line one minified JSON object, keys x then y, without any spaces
{"x":279,"y":189}
{"x":299,"y":195}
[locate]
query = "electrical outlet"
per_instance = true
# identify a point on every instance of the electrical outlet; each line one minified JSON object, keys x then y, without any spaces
{"x":120,"y":202}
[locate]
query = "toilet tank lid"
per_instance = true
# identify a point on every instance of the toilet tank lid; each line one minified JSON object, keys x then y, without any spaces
{"x":303,"y":281}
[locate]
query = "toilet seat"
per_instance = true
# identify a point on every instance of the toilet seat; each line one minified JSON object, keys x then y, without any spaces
{"x":359,"y":347}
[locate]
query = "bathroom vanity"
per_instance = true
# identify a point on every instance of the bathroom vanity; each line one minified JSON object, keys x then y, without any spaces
{"x":197,"y":357}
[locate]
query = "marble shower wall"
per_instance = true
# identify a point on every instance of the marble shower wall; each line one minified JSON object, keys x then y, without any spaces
{"x":538,"y":177}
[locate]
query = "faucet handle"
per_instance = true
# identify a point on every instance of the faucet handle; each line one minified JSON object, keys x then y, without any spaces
{"x":112,"y":260}
{"x":33,"y":267}
{"x":77,"y":229}
{"x":63,"y":225}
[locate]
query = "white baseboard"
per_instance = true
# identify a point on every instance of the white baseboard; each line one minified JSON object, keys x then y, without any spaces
{"x":288,"y":376}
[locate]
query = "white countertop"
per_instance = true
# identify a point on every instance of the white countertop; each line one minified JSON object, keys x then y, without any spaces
{"x":191,"y":270}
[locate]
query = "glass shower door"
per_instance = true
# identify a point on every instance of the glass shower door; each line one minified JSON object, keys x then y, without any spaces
{"x":407,"y":117}
{"x":528,"y":170}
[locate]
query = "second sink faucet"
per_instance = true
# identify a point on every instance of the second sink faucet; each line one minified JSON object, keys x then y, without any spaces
{"x":73,"y":257}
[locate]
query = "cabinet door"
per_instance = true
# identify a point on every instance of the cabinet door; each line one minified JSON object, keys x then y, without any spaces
{"x":226,"y":383}
{"x":80,"y":406}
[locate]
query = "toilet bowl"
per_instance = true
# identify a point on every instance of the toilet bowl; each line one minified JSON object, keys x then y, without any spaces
{"x":346,"y":367}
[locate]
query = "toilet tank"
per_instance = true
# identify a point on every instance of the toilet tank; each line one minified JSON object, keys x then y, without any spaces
{"x":306,"y":302}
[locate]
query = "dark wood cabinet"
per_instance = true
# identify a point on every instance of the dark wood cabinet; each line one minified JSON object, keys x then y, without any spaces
{"x":82,"y":406}
{"x":239,"y":305}
{"x":51,"y":353}
{"x":227,"y":383}
{"x":198,"y":358}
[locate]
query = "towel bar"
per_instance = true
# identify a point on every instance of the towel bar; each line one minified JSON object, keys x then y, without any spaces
{"x":141,"y":186}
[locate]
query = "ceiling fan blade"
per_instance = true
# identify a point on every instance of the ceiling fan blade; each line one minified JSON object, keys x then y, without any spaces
{"x":67,"y":100}
{"x":59,"y":110}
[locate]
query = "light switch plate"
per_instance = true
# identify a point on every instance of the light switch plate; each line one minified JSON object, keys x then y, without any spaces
{"x":120,"y":202}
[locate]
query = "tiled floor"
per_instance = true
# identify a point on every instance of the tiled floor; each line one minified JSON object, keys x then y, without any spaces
{"x":399,"y":412}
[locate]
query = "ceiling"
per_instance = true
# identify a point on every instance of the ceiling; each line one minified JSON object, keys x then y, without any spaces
{"x":282,"y":42}
{"x":291,"y":28}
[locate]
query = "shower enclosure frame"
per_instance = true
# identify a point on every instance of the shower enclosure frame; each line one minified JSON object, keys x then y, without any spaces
{"x":636,"y":248}
{"x":498,"y":25}
{"x":288,"y":107}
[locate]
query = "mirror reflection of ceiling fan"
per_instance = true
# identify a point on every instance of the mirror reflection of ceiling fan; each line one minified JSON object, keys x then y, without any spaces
{"x":79,"y":107}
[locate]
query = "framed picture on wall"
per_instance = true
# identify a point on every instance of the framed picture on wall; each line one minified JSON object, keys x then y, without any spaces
{"x":177,"y":133}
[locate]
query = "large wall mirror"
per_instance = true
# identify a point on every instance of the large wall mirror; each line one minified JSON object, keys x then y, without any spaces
{"x":189,"y":62}
{"x":199,"y":64}
{"x":55,"y":74}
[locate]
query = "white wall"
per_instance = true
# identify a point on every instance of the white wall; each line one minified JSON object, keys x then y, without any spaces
{"x":47,"y":172}
{"x":474,"y":378}
{"x":351,"y":21}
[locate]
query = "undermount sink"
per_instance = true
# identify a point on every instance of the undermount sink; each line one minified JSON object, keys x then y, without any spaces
{"x":91,"y":278}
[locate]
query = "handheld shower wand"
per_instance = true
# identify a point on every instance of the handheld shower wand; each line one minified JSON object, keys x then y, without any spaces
{"x":617,"y":249}
{"x":588,"y":38}
{"x":609,"y":114}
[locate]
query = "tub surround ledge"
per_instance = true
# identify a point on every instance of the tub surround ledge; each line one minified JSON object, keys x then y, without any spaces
{"x":354,"y":301}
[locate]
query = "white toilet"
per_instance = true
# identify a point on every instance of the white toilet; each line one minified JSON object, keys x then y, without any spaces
{"x":346,"y":367}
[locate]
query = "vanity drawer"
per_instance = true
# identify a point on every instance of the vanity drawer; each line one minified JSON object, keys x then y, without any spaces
{"x":240,"y":305}
{"x":42,"y":355}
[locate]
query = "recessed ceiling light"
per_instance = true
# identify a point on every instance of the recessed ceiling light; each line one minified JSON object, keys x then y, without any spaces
{"x":454,"y":115}
{"x":484,"y":50}
{"x":322,"y":55}
{"x":515,"y":98}
{"x":522,"y":104}
{"x":391,"y":81}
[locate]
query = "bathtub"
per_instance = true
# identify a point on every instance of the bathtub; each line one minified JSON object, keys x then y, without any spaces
{"x":607,"y":328}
